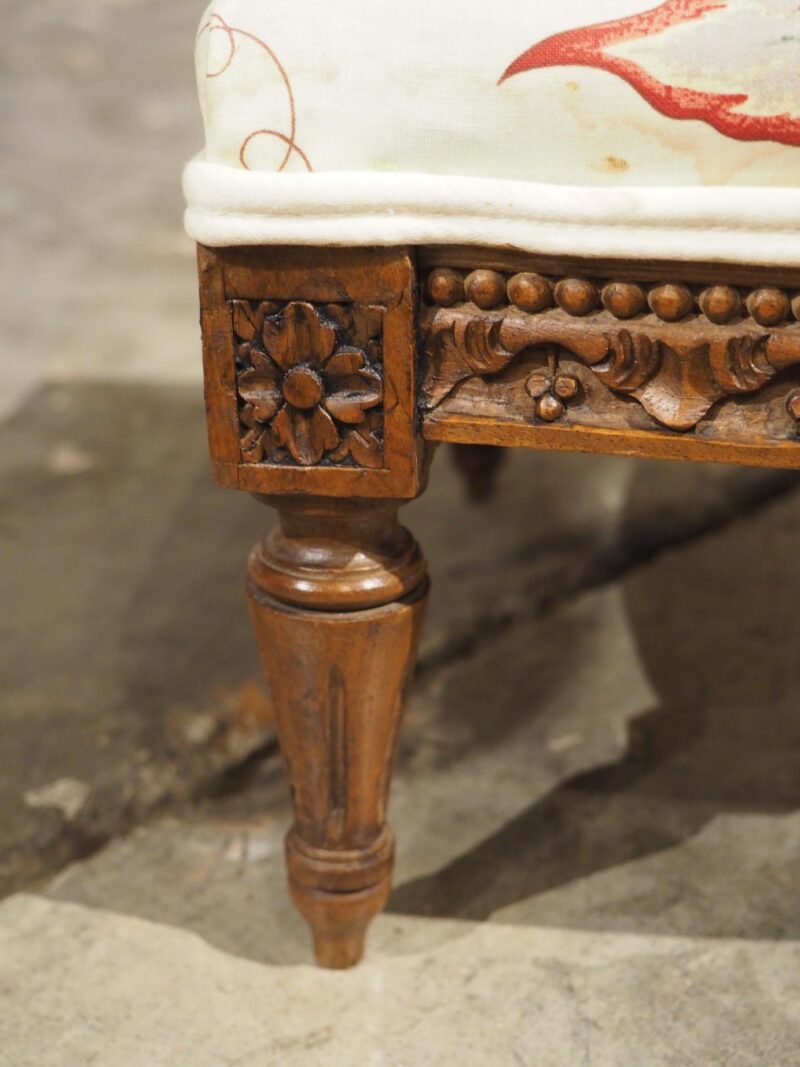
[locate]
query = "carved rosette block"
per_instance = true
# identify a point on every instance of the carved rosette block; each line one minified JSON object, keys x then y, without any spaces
{"x":680,"y":351}
{"x":310,"y":370}
{"x":310,"y":382}
{"x":337,"y":597}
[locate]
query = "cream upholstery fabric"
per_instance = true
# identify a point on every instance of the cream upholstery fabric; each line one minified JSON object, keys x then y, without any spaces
{"x":599,"y":127}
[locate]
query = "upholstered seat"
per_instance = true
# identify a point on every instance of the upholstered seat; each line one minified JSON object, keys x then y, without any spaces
{"x":592,"y":127}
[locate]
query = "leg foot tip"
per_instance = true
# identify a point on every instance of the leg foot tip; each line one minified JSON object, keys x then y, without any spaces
{"x":339,"y":953}
{"x":339,"y":921}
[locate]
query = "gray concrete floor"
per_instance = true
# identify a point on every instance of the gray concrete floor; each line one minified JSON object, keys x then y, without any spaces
{"x":99,"y":115}
{"x":597,"y":792}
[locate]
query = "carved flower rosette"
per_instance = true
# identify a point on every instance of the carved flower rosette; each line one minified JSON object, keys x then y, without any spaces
{"x":309,"y":383}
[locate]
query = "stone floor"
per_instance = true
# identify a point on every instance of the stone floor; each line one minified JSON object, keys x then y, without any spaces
{"x":597,"y":797}
{"x":133,"y":992}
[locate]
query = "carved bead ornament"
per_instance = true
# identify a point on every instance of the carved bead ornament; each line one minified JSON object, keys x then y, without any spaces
{"x":624,"y":299}
{"x":485,"y":288}
{"x":578,"y":297}
{"x":530,"y":292}
{"x":670,"y":302}
{"x":769,"y":307}
{"x":445,"y":287}
{"x":720,"y":304}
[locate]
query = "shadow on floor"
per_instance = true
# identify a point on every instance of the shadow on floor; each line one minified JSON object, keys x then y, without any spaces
{"x":716,"y":628}
{"x":124,"y":624}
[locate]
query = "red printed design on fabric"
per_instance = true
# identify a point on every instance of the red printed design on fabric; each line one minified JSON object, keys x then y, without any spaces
{"x":217,"y":24}
{"x":586,"y":47}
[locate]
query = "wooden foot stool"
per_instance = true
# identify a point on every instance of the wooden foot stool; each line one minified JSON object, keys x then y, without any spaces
{"x":507,"y":224}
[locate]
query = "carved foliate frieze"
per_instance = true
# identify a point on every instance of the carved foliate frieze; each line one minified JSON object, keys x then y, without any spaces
{"x":676,"y":350}
{"x":309,"y":382}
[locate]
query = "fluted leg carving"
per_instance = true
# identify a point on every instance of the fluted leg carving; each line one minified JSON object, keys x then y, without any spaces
{"x":337,"y":595}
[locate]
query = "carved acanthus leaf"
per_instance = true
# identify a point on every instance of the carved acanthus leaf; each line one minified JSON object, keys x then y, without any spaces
{"x":683,"y":390}
{"x":460,"y":351}
{"x":740,"y":364}
{"x":633,"y":362}
{"x":447,"y":366}
{"x":483,"y":350}
{"x":676,"y":372}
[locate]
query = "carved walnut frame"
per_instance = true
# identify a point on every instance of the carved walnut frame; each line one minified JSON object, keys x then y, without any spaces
{"x":331,"y":373}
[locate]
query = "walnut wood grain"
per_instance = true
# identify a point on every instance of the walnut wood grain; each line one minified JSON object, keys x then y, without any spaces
{"x":310,"y":370}
{"x":463,"y":259}
{"x":337,"y":597}
{"x":310,"y":383}
{"x":510,"y":433}
{"x":718,"y":364}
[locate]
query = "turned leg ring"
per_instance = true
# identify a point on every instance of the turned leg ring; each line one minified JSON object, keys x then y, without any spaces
{"x":337,"y":661}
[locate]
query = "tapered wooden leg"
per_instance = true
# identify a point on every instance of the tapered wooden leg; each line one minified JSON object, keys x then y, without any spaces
{"x":337,"y":595}
{"x":479,"y":465}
